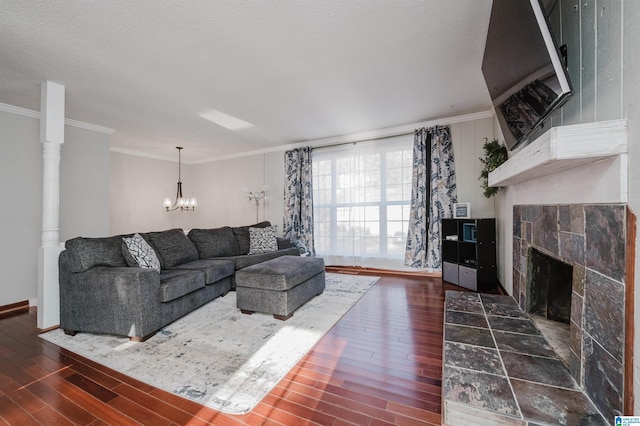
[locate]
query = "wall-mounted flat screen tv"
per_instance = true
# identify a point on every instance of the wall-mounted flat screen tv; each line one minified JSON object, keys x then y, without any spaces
{"x":523,"y":68}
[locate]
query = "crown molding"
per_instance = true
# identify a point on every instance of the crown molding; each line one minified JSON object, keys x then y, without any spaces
{"x":89,"y":126}
{"x":20,"y":111}
{"x":69,"y":122}
{"x":135,"y":153}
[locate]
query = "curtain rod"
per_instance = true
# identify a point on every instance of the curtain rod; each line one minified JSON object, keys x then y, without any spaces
{"x":355,"y":142}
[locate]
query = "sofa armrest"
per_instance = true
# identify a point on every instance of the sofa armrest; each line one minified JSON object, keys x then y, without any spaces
{"x":114,"y":300}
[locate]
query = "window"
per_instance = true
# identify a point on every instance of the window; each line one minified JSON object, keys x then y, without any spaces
{"x":361,"y":201}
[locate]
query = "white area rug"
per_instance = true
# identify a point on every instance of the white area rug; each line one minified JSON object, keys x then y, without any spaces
{"x":219,"y":357}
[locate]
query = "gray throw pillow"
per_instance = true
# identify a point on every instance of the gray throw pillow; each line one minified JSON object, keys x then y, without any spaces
{"x":216,"y":242}
{"x":173,"y":248}
{"x":85,"y":253}
{"x":242,"y":235}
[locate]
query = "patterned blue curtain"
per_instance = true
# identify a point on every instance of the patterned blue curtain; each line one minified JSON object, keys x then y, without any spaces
{"x":416,"y":253}
{"x":432,"y":196}
{"x":298,"y":198}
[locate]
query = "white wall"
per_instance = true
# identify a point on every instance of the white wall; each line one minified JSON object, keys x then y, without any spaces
{"x":20,"y":208}
{"x":468,"y":139}
{"x":221,"y":200}
{"x":84,"y":184}
{"x":84,"y":200}
{"x":138,"y":186}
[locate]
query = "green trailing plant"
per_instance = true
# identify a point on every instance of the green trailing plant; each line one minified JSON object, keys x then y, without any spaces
{"x":494,"y":155}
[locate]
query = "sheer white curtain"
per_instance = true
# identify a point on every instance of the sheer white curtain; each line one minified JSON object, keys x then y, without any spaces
{"x":362,"y":196}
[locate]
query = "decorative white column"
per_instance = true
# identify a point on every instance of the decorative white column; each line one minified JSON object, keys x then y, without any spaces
{"x":52,"y":138}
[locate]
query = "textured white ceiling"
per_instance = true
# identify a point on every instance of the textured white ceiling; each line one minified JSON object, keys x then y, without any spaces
{"x":297,"y":70}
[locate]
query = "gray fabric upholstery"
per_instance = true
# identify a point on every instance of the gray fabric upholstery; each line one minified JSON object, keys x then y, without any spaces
{"x":282,"y":273}
{"x":283,"y":243}
{"x":124,"y":301}
{"x":243,"y":261}
{"x":176,"y":283}
{"x":177,"y":308}
{"x":280,"y":286}
{"x":214,"y":242}
{"x":214,"y":270}
{"x":242,"y":235}
{"x":246,"y":260}
{"x":280,"y":302}
{"x":86,"y":253}
{"x":106,"y":299}
{"x":99,"y":293}
{"x":173,"y":248}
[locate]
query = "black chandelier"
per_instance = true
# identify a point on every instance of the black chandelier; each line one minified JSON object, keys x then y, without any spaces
{"x":183,"y":203}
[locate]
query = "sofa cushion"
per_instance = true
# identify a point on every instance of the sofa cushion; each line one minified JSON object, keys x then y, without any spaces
{"x":262,"y":240}
{"x":214,"y":270}
{"x":137,"y":250}
{"x":173,"y":248}
{"x":251,"y":259}
{"x":214,"y":242}
{"x":85,"y":253}
{"x":176,"y":283}
{"x":242,"y":235}
{"x":280,"y":274}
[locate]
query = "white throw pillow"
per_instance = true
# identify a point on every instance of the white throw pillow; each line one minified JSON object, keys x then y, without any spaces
{"x":262,"y":240}
{"x":142,"y":252}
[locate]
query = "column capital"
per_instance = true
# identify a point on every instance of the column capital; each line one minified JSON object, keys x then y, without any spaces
{"x":52,"y":112}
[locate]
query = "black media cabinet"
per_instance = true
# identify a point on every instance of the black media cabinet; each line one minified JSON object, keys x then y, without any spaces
{"x":469,"y":253}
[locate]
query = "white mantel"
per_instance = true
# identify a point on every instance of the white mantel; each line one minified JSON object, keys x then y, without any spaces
{"x":583,"y":163}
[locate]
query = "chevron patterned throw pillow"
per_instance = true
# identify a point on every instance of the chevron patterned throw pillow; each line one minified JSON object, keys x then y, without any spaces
{"x":142,"y":252}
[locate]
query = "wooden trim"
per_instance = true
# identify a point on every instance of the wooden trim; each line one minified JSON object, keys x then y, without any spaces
{"x":14,"y":307}
{"x":629,"y":313}
{"x":356,"y":270}
{"x":44,"y":330}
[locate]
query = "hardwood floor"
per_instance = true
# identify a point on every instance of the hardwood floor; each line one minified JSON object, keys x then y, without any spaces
{"x":380,"y":365}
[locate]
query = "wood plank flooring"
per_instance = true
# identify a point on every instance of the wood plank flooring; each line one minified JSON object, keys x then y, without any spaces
{"x":380,"y":365}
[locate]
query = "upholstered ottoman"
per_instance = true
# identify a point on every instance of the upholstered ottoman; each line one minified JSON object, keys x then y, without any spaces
{"x":279,"y":286}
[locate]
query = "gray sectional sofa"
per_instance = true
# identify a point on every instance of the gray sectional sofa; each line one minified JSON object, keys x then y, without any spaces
{"x":103,"y":290}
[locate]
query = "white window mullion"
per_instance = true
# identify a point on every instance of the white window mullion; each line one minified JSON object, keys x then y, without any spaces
{"x":383,"y":204}
{"x":334,"y":209}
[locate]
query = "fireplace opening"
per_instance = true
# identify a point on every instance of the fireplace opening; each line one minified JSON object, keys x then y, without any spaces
{"x":549,"y":286}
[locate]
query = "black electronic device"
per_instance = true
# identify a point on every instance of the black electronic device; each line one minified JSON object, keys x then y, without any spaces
{"x":524,"y":68}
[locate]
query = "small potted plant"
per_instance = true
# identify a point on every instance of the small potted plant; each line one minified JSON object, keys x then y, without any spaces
{"x":494,"y":155}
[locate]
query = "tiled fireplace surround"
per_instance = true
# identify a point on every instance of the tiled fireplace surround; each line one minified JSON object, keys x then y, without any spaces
{"x":591,"y":238}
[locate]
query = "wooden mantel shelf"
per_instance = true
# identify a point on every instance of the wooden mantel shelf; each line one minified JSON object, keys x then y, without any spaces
{"x":562,"y":148}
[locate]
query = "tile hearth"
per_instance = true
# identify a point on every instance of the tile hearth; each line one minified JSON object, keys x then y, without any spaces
{"x":498,"y":369}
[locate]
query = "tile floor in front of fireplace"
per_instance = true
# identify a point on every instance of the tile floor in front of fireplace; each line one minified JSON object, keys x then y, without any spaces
{"x":500,"y":370}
